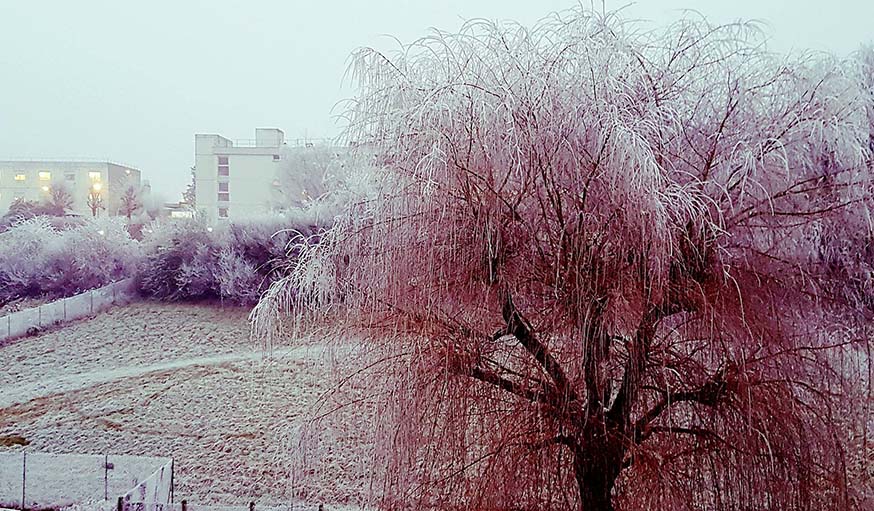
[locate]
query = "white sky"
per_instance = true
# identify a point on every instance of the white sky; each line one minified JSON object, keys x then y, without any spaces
{"x":132,"y":81}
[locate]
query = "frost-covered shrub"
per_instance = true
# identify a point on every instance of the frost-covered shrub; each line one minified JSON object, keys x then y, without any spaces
{"x":39,"y":257}
{"x":192,"y":259}
{"x":238,"y":277}
{"x":179,"y":260}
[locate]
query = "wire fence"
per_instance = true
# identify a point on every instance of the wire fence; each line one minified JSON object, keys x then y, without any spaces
{"x":60,"y":311}
{"x":38,"y":481}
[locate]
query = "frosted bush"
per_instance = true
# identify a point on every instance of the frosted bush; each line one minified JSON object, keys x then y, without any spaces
{"x":193,"y":259}
{"x":37,"y":258}
{"x":237,"y":277}
{"x":178,"y":262}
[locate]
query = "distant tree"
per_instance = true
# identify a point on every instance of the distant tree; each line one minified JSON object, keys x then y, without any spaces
{"x":60,"y":199}
{"x":599,"y":273}
{"x":189,"y":196}
{"x":130,"y":203}
{"x":19,"y":210}
{"x":24,"y":209}
{"x":306,"y":173}
{"x":94,"y":202}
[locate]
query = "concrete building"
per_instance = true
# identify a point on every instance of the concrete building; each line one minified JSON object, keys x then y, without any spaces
{"x":237,"y":178}
{"x":34,"y":179}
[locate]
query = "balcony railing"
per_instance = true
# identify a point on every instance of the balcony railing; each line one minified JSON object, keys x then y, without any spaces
{"x":292,"y":142}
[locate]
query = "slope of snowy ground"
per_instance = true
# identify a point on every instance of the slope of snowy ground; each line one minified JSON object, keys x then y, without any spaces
{"x":185,"y":381}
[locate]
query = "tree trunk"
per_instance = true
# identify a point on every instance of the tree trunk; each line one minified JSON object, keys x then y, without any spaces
{"x":595,"y":479}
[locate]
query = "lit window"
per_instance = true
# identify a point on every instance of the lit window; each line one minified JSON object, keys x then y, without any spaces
{"x":223,"y":212}
{"x":45,"y":176}
{"x":97,"y":186}
{"x":94,"y":176}
{"x":224,"y":196}
{"x":20,"y":177}
{"x":223,"y":187}
{"x":45,"y":188}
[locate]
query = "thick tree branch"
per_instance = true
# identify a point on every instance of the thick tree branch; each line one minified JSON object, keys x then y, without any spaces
{"x":709,"y":394}
{"x":484,"y":375}
{"x":620,"y":410}
{"x":692,"y":430}
{"x":519,"y":327}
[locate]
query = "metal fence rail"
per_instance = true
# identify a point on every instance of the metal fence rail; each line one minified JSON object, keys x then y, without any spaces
{"x":35,"y":481}
{"x":60,"y":311}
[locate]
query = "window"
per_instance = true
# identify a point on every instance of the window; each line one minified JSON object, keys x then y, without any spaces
{"x":224,"y":168}
{"x":21,"y":176}
{"x":223,"y":187}
{"x":223,"y":212}
{"x":275,"y":157}
{"x":94,"y":176}
{"x":70,"y":177}
{"x":45,"y":176}
{"x":224,"y":196}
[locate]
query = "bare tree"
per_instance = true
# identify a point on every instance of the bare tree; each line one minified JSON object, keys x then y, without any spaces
{"x":60,"y":198}
{"x":599,"y":272}
{"x":130,"y":203}
{"x":307,"y":172}
{"x":189,"y":196}
{"x":94,"y":201}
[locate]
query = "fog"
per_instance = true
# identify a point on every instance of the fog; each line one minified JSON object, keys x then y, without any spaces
{"x":133,"y":81}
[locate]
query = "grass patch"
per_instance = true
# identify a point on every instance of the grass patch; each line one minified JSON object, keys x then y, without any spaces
{"x":10,"y":440}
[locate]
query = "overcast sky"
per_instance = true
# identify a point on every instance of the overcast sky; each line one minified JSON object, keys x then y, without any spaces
{"x":133,"y":81}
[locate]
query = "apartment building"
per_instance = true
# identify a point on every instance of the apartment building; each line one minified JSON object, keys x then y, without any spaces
{"x":34,"y":179}
{"x":237,"y":178}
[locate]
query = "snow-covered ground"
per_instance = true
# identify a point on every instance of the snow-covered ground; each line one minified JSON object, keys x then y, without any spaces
{"x":184,"y":381}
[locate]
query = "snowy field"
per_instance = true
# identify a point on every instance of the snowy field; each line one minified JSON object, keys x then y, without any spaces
{"x":183,"y":381}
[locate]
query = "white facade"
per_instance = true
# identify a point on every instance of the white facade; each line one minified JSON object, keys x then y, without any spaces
{"x":239,"y":178}
{"x":33,"y":180}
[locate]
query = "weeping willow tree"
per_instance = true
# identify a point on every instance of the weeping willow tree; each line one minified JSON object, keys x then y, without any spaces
{"x":601,"y":268}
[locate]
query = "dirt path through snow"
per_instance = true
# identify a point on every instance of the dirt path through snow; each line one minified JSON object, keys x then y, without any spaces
{"x":73,"y":382}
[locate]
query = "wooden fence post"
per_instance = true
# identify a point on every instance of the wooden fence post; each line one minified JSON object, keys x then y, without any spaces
{"x":184,"y":505}
{"x":120,"y":505}
{"x":251,"y":506}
